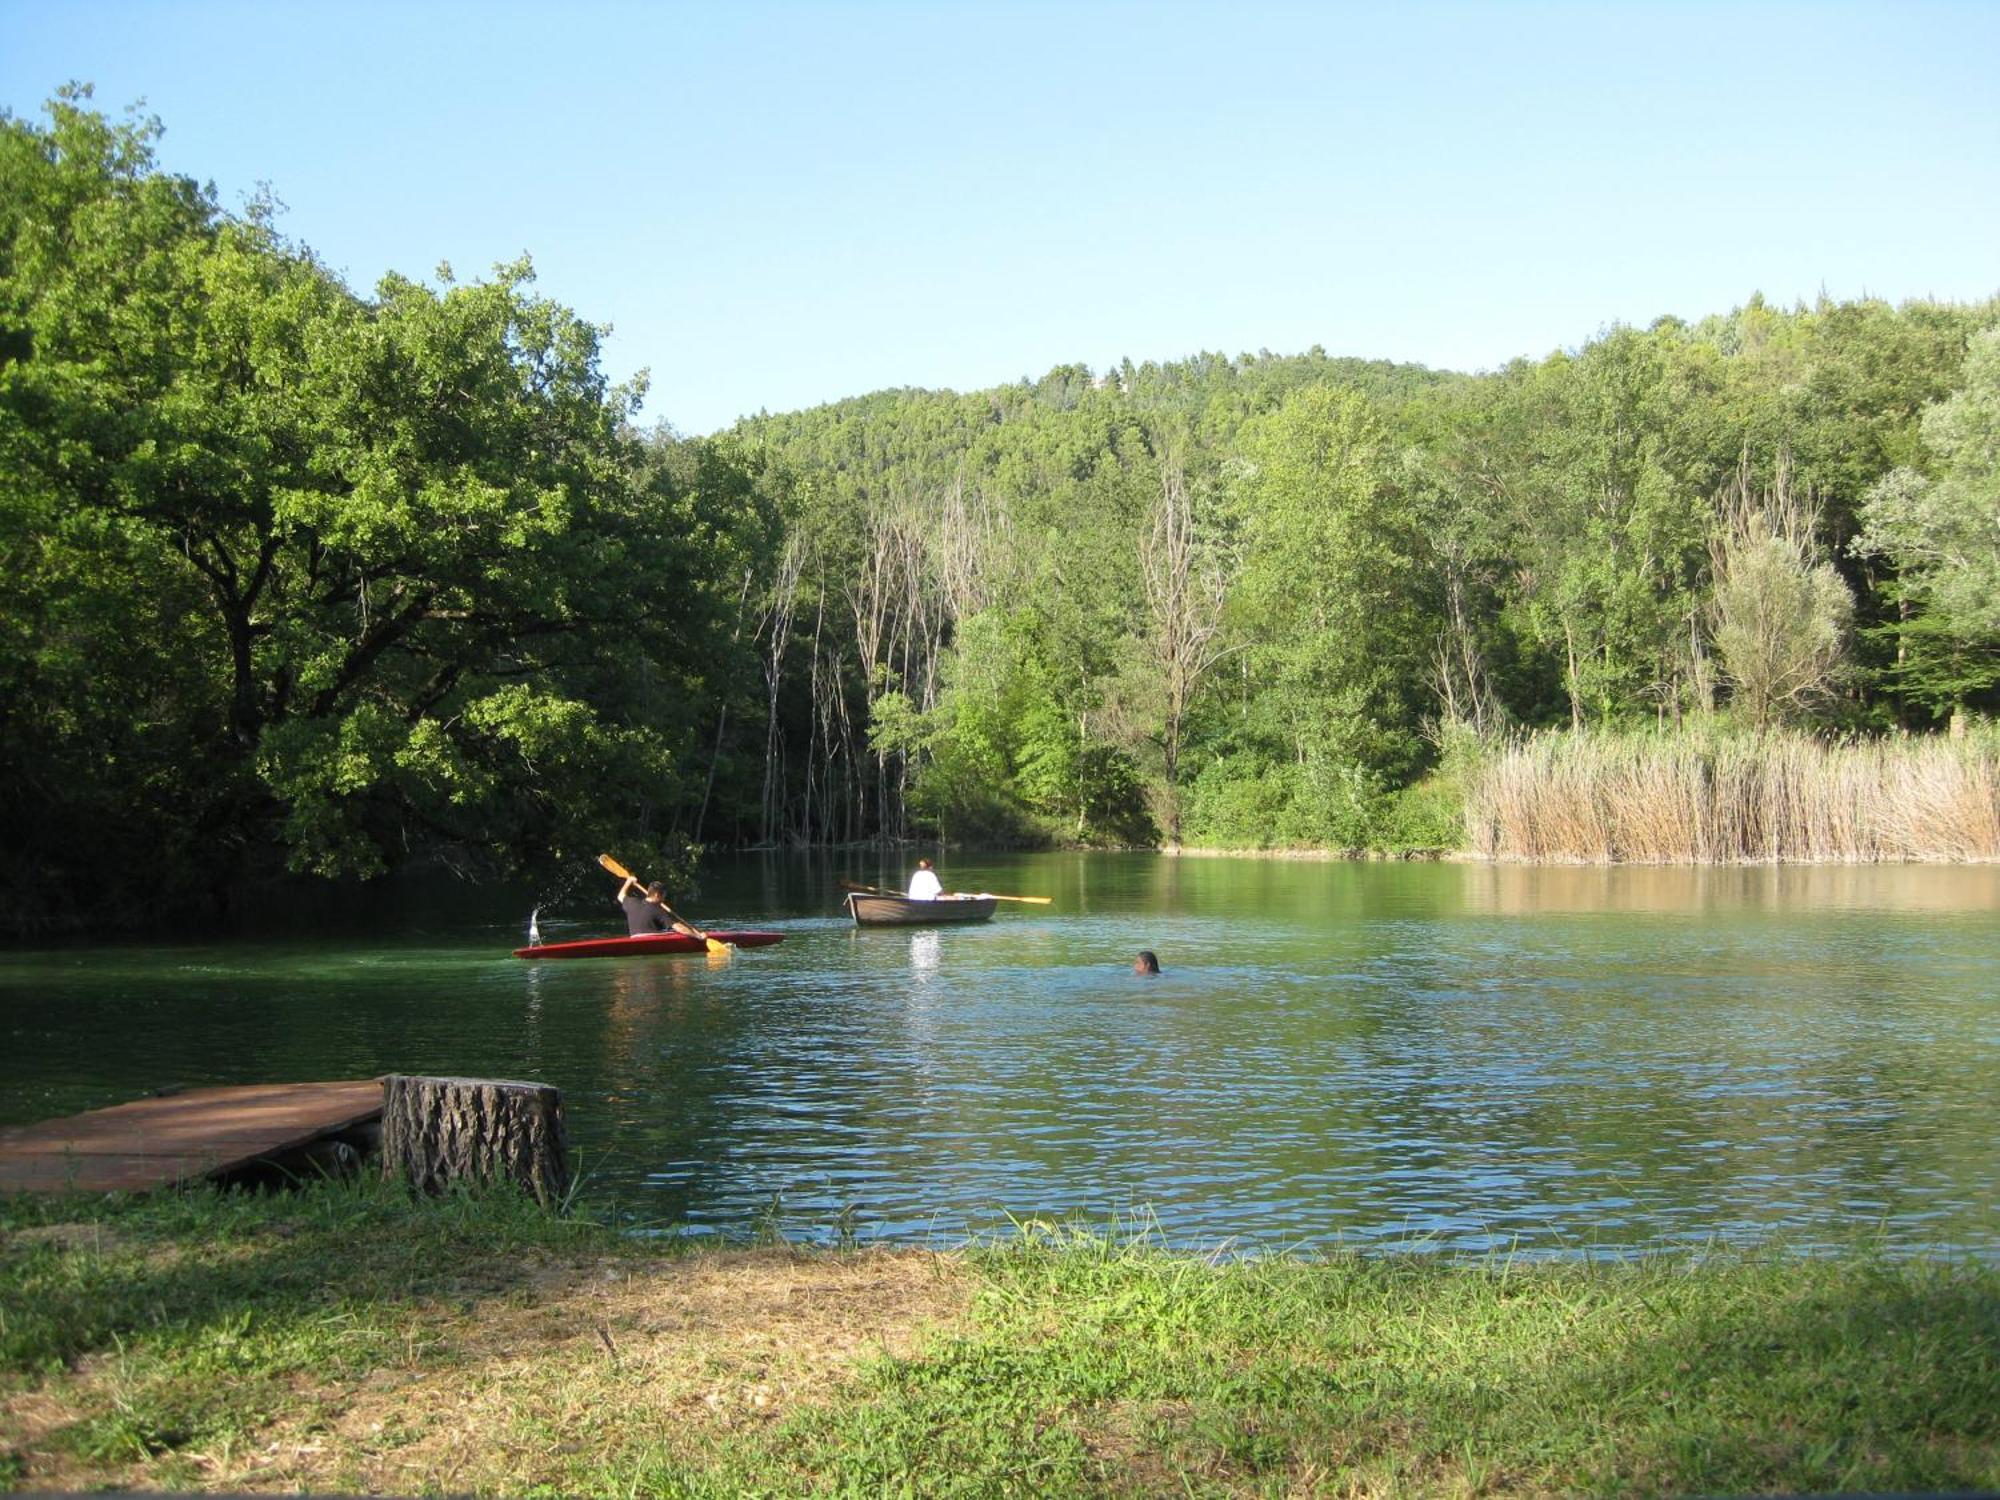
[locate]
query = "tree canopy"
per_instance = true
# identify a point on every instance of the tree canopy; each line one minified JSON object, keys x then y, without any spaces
{"x":297,"y":575}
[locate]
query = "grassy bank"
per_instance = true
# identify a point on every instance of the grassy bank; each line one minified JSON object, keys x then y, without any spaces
{"x":345,"y":1340}
{"x":1706,"y":796}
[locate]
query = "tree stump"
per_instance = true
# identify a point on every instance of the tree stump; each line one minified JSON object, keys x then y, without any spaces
{"x":440,"y":1131}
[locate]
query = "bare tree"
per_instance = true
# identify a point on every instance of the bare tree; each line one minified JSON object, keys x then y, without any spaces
{"x":885,"y":597}
{"x":1188,"y":571}
{"x":1779,"y":612}
{"x":965,"y":539}
{"x":722,"y":713}
{"x":1458,"y":665}
{"x":775,"y":631}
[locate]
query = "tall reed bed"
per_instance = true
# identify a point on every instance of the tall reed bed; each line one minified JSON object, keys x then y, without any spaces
{"x":1710,"y":796}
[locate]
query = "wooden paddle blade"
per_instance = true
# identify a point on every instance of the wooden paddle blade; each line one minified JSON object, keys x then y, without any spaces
{"x":1034,"y":900}
{"x":716,"y":945}
{"x":615,"y":868}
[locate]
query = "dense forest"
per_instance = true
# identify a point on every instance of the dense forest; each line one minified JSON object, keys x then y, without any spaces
{"x":297,"y":578}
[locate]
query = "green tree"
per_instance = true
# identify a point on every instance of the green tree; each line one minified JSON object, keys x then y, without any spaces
{"x":1942,"y":533}
{"x":1614,"y":530}
{"x":370,"y":578}
{"x":1333,"y":598}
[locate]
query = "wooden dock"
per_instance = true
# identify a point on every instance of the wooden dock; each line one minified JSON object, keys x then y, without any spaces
{"x":154,"y":1143}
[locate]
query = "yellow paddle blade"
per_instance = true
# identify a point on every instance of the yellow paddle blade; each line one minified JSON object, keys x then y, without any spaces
{"x":615,"y":868}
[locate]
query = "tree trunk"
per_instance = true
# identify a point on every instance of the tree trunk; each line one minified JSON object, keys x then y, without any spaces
{"x":438,"y":1131}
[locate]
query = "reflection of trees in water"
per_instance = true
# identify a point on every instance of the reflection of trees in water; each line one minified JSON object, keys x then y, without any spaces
{"x":1314,"y":890}
{"x":658,"y":1007}
{"x":759,"y":885}
{"x":668,"y":1052}
{"x":646,"y":996}
{"x":531,"y":1025}
{"x":1528,"y":890}
{"x":928,"y":1071}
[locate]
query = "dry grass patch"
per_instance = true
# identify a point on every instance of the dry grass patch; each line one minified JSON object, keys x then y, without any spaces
{"x":1704,"y":795}
{"x":580,"y":1363}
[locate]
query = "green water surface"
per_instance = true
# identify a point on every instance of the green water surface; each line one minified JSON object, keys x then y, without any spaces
{"x":1458,"y":1055}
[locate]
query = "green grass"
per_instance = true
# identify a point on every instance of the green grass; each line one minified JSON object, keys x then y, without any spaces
{"x":203,"y":1267}
{"x":177,"y":1335}
{"x":1098,"y":1368}
{"x":199,"y":1317}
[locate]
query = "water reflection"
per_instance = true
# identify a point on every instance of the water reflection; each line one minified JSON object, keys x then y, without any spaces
{"x":1471,"y":1055}
{"x":1528,"y":890}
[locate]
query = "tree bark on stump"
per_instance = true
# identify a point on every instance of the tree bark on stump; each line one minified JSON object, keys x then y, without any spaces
{"x":438,"y":1131}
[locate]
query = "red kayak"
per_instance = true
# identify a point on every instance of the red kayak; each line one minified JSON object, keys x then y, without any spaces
{"x":646,"y":942}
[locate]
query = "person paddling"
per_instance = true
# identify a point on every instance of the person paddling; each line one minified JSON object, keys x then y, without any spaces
{"x":645,"y":911}
{"x":924,"y":884}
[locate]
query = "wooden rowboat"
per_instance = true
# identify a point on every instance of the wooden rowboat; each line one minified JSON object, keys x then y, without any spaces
{"x":901,"y":911}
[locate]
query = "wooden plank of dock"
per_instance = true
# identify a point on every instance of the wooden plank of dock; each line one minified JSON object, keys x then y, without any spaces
{"x":152,"y":1143}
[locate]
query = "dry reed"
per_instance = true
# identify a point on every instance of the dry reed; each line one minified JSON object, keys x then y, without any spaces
{"x":1708,"y":796}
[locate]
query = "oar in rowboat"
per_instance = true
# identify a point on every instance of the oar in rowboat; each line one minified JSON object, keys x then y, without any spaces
{"x":876,"y":890}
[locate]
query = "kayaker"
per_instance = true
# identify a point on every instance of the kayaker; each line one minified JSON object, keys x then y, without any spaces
{"x":924,"y":885}
{"x":645,"y":908}
{"x":1146,"y":962}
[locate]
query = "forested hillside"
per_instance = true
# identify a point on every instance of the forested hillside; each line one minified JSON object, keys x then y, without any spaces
{"x":1248,"y":601}
{"x":298,"y":577}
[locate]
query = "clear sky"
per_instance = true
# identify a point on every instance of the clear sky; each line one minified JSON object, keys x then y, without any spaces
{"x":776,"y":205}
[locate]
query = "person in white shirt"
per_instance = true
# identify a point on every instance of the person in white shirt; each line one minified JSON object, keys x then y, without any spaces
{"x":924,"y":885}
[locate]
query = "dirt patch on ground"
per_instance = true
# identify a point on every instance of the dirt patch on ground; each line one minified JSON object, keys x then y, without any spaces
{"x":662,"y":1358}
{"x":93,"y":1238}
{"x":580,"y":1362}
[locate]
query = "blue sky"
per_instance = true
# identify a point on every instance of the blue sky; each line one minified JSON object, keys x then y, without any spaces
{"x":776,"y":205}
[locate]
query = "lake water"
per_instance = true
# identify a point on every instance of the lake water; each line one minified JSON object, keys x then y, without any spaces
{"x":1456,"y":1056}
